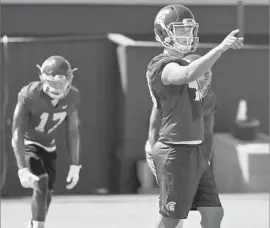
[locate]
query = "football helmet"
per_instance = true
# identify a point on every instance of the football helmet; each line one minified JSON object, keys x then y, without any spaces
{"x":176,"y":28}
{"x":204,"y":81}
{"x":56,"y":76}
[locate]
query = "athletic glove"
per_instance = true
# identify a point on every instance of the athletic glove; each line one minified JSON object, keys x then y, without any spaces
{"x":73,"y":176}
{"x":27,"y":178}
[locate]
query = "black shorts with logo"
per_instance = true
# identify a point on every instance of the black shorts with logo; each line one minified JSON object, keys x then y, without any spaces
{"x":185,"y":179}
{"x":41,"y":162}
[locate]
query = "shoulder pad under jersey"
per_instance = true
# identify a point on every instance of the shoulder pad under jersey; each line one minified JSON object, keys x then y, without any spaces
{"x":156,"y":66}
{"x":30,"y":93}
{"x":159,"y":61}
{"x":74,"y":97}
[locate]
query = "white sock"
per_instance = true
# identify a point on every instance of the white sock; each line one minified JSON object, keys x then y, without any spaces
{"x":37,"y":224}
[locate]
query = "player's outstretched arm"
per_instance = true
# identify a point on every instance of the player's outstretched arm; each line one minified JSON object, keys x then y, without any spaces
{"x":73,"y":143}
{"x":175,"y":74}
{"x":20,"y":121}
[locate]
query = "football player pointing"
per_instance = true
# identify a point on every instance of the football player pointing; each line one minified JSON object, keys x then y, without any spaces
{"x":184,"y":176}
{"x":41,"y":108}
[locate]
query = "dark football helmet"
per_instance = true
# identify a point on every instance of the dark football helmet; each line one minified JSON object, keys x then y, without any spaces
{"x":175,"y":27}
{"x":56,"y":76}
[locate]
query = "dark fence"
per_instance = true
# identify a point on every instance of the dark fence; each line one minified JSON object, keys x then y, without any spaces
{"x":114,"y":116}
{"x":97,"y":79}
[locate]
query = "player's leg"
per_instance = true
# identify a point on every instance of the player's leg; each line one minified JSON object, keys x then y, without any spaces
{"x":49,"y":161}
{"x":40,"y":189}
{"x":49,"y":199}
{"x":207,"y":200}
{"x":211,"y":217}
{"x":39,"y":202}
{"x":177,"y":175}
{"x":167,"y":222}
{"x":151,"y":165}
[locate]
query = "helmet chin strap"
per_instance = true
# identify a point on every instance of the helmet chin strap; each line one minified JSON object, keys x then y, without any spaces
{"x":174,"y":47}
{"x":174,"y":52}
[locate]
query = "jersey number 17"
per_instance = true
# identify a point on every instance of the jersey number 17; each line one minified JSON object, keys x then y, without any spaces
{"x":57,"y":117}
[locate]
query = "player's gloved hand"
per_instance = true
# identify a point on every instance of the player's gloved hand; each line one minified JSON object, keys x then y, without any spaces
{"x":73,"y":176}
{"x":231,"y":41}
{"x":27,"y":178}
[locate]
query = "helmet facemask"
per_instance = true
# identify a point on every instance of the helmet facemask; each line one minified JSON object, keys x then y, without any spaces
{"x":56,"y":86}
{"x":181,"y":36}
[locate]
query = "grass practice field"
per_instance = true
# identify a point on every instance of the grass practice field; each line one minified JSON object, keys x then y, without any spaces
{"x":131,"y":211}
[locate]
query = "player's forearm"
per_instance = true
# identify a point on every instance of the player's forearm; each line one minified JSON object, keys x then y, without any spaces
{"x":73,"y":141}
{"x":19,"y":148}
{"x":200,"y":66}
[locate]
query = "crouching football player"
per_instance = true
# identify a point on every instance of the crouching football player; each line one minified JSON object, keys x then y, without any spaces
{"x":41,"y":108}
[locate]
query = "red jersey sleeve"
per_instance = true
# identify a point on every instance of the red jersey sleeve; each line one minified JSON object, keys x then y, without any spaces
{"x":28,"y":94}
{"x":74,"y":98}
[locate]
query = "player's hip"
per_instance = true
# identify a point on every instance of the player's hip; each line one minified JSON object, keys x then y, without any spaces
{"x":190,"y":136}
{"x":181,"y":146}
{"x":47,"y":143}
{"x":48,"y":146}
{"x":178,"y":155}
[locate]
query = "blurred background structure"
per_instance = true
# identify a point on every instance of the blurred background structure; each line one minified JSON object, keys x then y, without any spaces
{"x":111,"y":43}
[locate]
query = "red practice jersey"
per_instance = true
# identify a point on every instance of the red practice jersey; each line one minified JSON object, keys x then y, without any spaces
{"x":44,"y":117}
{"x":209,"y":103}
{"x":181,"y":110}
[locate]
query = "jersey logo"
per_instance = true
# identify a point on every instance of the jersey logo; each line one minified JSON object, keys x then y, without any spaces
{"x":64,"y":107}
{"x":161,"y":17}
{"x":170,"y":206}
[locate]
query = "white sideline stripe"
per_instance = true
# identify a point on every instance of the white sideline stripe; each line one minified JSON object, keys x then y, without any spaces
{"x":121,"y":39}
{"x":254,"y":148}
{"x":139,"y":43}
{"x":6,"y":39}
{"x":243,"y":152}
{"x":202,"y":45}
